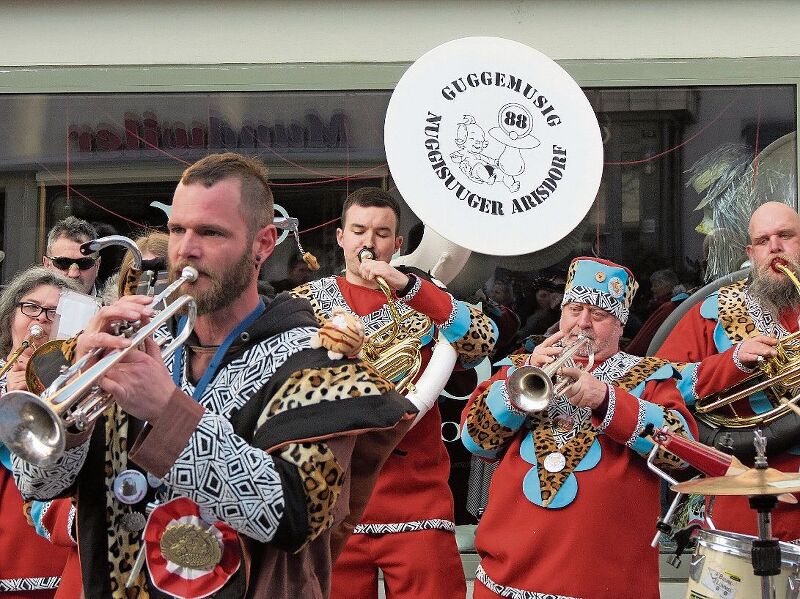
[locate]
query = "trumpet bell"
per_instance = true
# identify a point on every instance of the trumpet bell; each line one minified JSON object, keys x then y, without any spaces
{"x":530,"y":389}
{"x":30,"y":428}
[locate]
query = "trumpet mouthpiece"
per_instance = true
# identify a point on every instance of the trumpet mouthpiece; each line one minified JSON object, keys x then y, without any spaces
{"x":778,"y":262}
{"x":366,"y":254}
{"x":189,"y":274}
{"x":36,"y":331}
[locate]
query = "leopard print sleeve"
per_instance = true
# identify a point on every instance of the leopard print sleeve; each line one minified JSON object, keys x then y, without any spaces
{"x":664,"y":459}
{"x":342,"y":395}
{"x":491,"y":421}
{"x":478,"y":340}
{"x":305,"y":292}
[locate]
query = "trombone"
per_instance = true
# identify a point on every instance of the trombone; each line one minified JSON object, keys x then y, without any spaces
{"x":531,"y":389}
{"x":34,"y":332}
{"x":34,"y":427}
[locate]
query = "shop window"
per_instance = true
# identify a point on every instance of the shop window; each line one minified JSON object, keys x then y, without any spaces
{"x":115,"y":158}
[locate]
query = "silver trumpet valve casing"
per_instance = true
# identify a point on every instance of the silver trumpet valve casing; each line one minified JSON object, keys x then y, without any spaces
{"x":531,"y":388}
{"x":34,"y":427}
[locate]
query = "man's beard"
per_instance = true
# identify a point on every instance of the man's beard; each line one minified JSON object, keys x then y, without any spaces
{"x":224,"y":288}
{"x":774,"y":293}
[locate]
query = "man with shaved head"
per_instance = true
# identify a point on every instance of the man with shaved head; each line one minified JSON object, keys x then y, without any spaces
{"x":726,"y":337}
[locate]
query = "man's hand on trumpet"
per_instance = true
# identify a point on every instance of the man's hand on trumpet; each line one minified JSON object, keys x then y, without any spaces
{"x":586,"y":391}
{"x":99,"y":330}
{"x":546,"y":351}
{"x":141,"y":383}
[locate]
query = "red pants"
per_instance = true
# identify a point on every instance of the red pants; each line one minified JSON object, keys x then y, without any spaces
{"x":416,"y":565}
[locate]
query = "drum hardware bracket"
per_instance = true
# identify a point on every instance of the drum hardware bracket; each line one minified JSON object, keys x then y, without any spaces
{"x":682,"y":537}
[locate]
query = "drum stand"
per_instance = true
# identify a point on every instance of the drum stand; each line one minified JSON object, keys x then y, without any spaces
{"x":766,"y":553}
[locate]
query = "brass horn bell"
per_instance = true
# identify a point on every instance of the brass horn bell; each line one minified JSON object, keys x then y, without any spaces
{"x":531,"y":389}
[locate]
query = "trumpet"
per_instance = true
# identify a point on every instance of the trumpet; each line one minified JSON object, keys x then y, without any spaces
{"x":778,"y":377}
{"x":531,"y":389}
{"x":34,"y":332}
{"x":396,"y":357}
{"x":34,"y":426}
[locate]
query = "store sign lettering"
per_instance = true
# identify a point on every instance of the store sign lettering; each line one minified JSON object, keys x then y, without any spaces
{"x":147,"y":132}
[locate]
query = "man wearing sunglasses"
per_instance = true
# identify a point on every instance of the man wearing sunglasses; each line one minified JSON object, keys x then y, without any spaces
{"x":64,"y":255}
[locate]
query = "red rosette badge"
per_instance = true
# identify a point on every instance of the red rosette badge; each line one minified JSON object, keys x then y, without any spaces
{"x":187,"y":557}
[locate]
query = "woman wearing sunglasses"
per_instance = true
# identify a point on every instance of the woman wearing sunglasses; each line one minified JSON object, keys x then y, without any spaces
{"x":31,"y":566}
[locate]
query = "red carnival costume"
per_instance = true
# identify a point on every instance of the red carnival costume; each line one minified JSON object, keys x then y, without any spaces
{"x":572,"y":506}
{"x":407,"y":527}
{"x":33,"y":565}
{"x":708,"y":337}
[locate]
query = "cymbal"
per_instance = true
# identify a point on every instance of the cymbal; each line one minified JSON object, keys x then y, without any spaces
{"x":749,"y":482}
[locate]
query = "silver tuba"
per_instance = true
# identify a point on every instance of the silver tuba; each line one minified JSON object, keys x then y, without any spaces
{"x":531,"y":389}
{"x":34,"y":426}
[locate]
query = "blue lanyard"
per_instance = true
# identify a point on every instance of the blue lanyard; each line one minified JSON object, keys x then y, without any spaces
{"x":177,"y":365}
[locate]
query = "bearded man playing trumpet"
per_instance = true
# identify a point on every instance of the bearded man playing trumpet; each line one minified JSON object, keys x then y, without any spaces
{"x":224,"y":471}
{"x":572,"y":505}
{"x":726,"y":339}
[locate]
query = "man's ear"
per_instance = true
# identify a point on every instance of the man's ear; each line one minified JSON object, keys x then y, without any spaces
{"x":749,"y":249}
{"x":398,"y":242}
{"x":264,"y":242}
{"x":339,"y":237}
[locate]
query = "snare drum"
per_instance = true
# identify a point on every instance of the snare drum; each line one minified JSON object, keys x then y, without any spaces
{"x":721,"y":569}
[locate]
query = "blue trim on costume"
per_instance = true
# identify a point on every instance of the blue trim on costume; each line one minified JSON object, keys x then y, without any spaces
{"x":667,"y":371}
{"x":710,"y":307}
{"x":504,"y":362}
{"x":460,"y":325}
{"x":680,"y":297}
{"x":653,"y":414}
{"x":429,"y":336}
{"x":474,"y":448}
{"x":496,"y":402}
{"x":5,"y":457}
{"x":721,"y":339}
{"x":685,"y":384}
{"x":759,"y":403}
{"x":585,"y":275}
{"x":37,"y":513}
{"x":569,"y":489}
